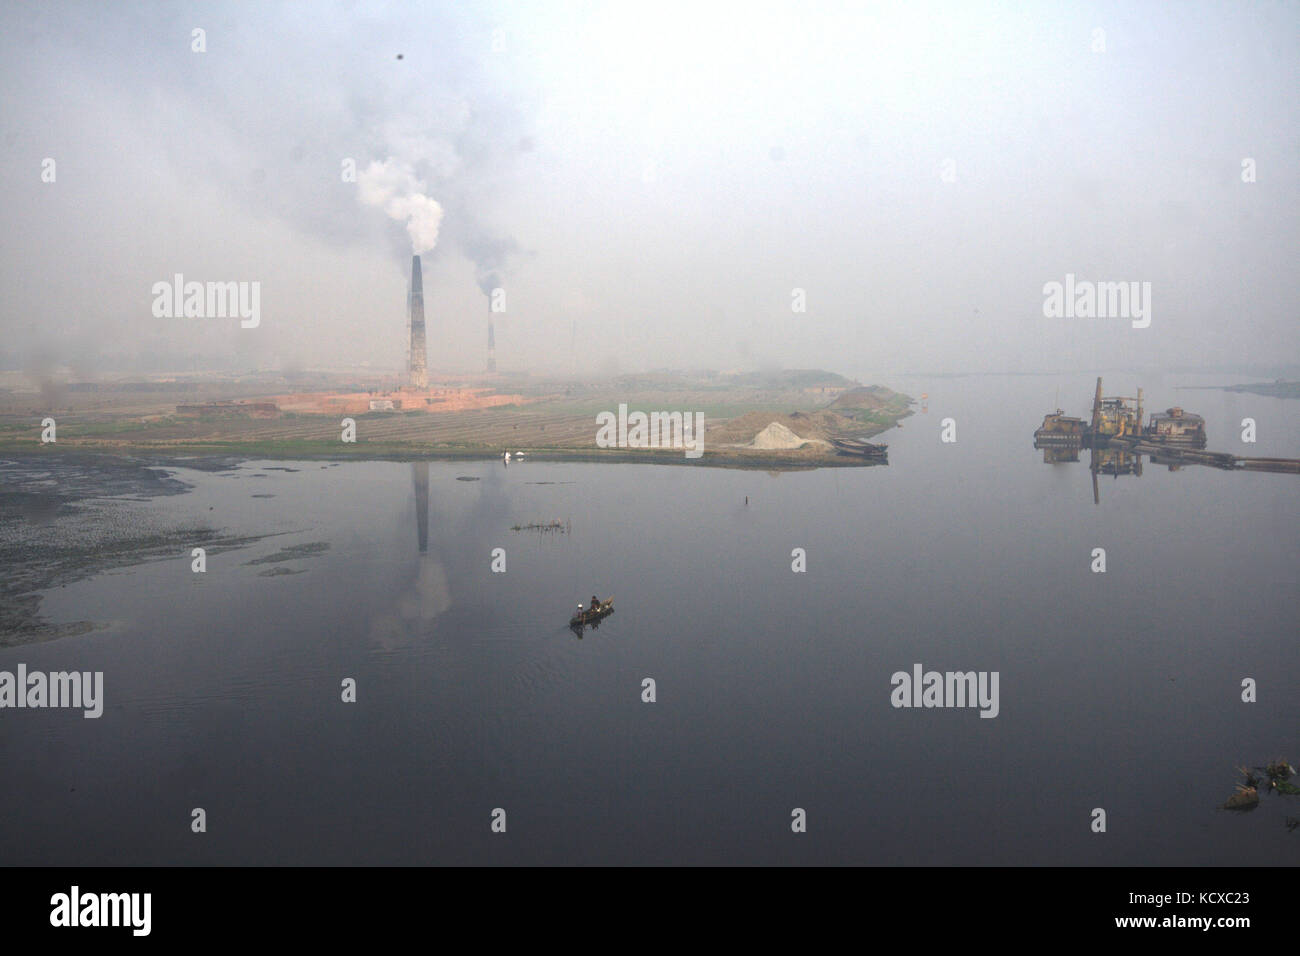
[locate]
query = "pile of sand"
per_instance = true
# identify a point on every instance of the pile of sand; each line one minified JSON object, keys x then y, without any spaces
{"x":777,"y":436}
{"x":741,"y":431}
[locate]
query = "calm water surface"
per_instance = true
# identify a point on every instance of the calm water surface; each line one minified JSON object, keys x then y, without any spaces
{"x":1118,"y":690}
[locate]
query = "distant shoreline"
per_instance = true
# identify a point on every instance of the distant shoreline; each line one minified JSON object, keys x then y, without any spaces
{"x":175,"y":454}
{"x":808,"y":407}
{"x":1267,"y":389}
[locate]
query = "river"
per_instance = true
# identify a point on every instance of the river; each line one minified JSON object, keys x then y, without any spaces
{"x":1120,"y":691}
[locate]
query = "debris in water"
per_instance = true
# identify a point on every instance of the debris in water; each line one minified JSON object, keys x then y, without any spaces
{"x":1246,"y":798}
{"x":561,"y":526}
{"x":1275,"y":779}
{"x":465,"y":478}
{"x":293,"y":552}
{"x":276,"y":572}
{"x":1279,"y":770}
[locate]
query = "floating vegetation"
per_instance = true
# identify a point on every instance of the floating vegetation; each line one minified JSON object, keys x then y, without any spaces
{"x":545,"y":527}
{"x":1246,"y":798}
{"x":67,"y":518}
{"x":293,"y":552}
{"x":1279,"y":770}
{"x":1276,"y":779}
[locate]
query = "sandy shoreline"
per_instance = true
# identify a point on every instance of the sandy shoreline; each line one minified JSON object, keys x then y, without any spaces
{"x":185,"y":453}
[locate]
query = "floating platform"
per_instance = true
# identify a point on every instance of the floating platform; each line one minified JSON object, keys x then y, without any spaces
{"x":1059,"y":429}
{"x":1175,"y":454}
{"x":1177,"y":427}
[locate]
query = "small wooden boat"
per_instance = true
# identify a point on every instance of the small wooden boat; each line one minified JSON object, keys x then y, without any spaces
{"x":860,"y":449}
{"x":591,"y":615}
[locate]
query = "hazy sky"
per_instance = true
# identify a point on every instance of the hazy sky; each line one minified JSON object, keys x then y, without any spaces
{"x":663,"y":175}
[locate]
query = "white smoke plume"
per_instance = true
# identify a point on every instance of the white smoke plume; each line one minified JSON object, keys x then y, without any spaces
{"x":392,"y":186}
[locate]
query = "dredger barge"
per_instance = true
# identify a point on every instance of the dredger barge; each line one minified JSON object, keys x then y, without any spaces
{"x":1172,"y":437}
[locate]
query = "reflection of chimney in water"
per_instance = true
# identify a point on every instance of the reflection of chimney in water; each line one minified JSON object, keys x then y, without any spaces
{"x":420,"y":478}
{"x":492,"y":341}
{"x":418,"y":369}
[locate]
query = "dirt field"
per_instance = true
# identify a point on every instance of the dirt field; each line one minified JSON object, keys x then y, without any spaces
{"x":556,"y":419}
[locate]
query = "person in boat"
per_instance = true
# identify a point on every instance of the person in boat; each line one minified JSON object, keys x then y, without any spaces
{"x":595,"y":603}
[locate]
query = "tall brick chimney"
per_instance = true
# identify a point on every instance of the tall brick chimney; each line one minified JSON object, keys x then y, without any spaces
{"x":418,"y":368}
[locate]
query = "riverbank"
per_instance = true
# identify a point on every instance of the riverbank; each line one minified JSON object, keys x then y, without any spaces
{"x":564,"y":427}
{"x":202,"y":454}
{"x":1267,"y":389}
